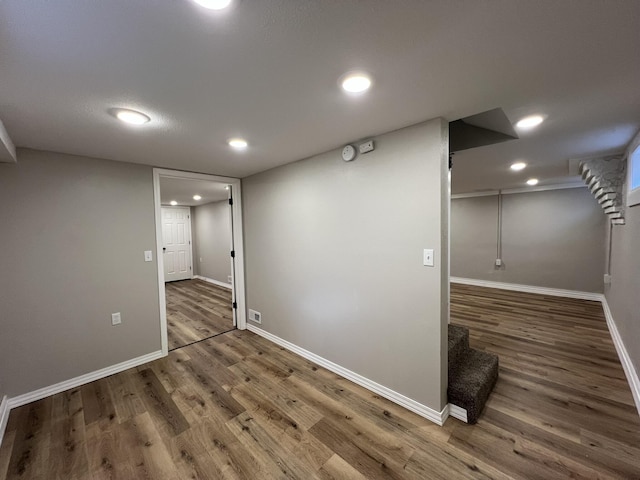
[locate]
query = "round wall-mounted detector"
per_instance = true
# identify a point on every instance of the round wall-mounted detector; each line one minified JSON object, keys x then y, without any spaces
{"x":348,"y":153}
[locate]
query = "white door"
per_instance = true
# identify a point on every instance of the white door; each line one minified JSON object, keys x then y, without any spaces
{"x":176,"y":242}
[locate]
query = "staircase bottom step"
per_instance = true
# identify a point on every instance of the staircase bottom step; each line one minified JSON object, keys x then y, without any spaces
{"x":475,"y":378}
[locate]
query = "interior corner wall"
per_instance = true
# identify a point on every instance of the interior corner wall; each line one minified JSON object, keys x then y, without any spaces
{"x":213,"y":240}
{"x":624,"y":292}
{"x":74,"y":234}
{"x":334,"y":258}
{"x":552,"y":238}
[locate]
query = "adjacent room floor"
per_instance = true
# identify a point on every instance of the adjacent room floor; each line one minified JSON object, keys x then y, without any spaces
{"x":238,"y":406}
{"x":196,"y":310}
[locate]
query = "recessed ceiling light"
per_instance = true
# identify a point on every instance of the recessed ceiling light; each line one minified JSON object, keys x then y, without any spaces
{"x":238,"y":143}
{"x":173,"y":202}
{"x":213,"y":4}
{"x":518,"y":166}
{"x":197,"y":197}
{"x":532,"y":181}
{"x":132,"y":117}
{"x":530,"y":122}
{"x":356,"y":82}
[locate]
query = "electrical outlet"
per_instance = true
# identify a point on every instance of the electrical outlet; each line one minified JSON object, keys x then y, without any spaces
{"x":255,"y":316}
{"x":607,"y":279}
{"x":116,"y":318}
{"x":229,"y":279}
{"x":498,"y":262}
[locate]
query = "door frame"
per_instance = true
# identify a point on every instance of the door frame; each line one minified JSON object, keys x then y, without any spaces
{"x":190,"y":239}
{"x":238,"y":283}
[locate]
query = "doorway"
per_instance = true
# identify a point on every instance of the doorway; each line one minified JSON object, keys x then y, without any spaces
{"x":199,"y":256}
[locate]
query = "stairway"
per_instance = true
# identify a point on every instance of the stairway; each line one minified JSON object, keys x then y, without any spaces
{"x":472,"y":373}
{"x":605,"y":178}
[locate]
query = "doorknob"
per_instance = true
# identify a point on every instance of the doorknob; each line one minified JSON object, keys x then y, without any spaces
{"x":164,"y":249}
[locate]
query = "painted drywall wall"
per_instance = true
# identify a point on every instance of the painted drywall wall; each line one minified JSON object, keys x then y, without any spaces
{"x":334,"y":255}
{"x":74,"y":232}
{"x":212,"y":235}
{"x":623,"y":295}
{"x":553,"y":239}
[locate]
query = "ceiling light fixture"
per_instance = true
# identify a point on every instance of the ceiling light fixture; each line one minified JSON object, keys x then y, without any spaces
{"x":518,"y":166}
{"x":131,"y":117}
{"x":530,"y":122}
{"x":532,"y":181}
{"x":173,"y":202}
{"x":356,"y":82}
{"x":238,"y":143}
{"x":197,"y":197}
{"x":213,"y":4}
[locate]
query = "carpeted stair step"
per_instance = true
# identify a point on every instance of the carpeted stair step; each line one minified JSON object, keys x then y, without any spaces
{"x":472,"y":382}
{"x":458,"y":346}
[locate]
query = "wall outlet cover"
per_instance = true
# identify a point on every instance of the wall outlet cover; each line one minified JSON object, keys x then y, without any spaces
{"x":255,"y":316}
{"x":116,"y":318}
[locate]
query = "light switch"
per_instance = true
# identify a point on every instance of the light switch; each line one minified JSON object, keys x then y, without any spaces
{"x":428,"y":257}
{"x":148,"y":256}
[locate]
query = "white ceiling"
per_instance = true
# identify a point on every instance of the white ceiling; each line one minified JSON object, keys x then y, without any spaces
{"x":182,"y":191}
{"x":268,"y":71}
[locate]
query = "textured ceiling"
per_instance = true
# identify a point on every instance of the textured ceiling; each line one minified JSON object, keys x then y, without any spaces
{"x":182,"y":191}
{"x":268,"y":71}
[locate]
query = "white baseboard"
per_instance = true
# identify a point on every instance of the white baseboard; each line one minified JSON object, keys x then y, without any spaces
{"x":623,"y":354}
{"x":555,"y":292}
{"x":458,"y":412}
{"x":41,"y":393}
{"x":215,"y":282}
{"x":4,"y":416}
{"x":422,"y":410}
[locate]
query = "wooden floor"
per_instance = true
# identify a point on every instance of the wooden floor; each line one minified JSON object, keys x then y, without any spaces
{"x":237,"y":406}
{"x":196,"y":310}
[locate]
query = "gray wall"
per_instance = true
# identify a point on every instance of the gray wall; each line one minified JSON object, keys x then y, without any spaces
{"x":334,"y":258}
{"x":73,"y":236}
{"x":212,"y":236}
{"x":553,"y":239}
{"x":623,"y":295}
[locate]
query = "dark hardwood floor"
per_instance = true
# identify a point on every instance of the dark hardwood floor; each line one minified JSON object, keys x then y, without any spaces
{"x":196,"y":310}
{"x":238,"y":406}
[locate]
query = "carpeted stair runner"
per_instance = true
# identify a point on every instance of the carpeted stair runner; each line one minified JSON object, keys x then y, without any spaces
{"x":472,"y":373}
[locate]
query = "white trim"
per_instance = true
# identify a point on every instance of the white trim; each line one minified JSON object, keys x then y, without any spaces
{"x":422,"y":410}
{"x":625,"y":359}
{"x":458,"y":412}
{"x":239,"y":290}
{"x":45,"y":392}
{"x":509,"y":191}
{"x":164,"y":339}
{"x":556,"y":292}
{"x":4,"y":416}
{"x":215,"y":282}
